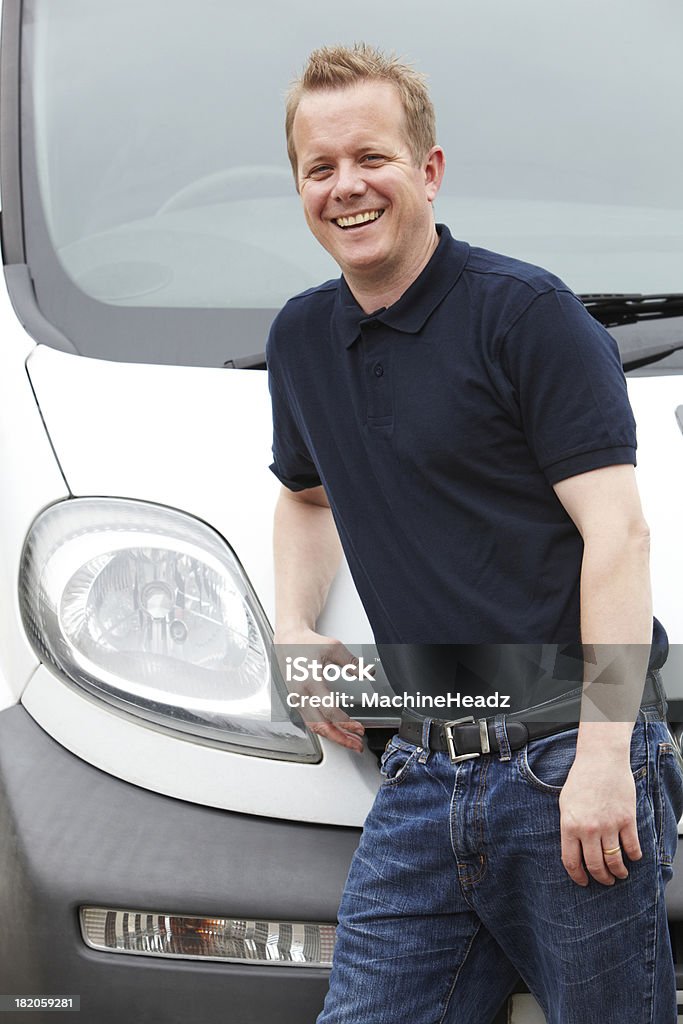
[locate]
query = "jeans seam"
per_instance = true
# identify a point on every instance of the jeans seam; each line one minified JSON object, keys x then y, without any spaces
{"x":481,"y":795}
{"x":659,"y":806}
{"x":664,"y":749}
{"x":652,"y":953}
{"x":652,"y":936}
{"x":451,"y":990}
{"x":396,"y":780}
{"x":526,"y":774}
{"x":451,"y":822}
{"x":471,"y":880}
{"x":521,"y":763}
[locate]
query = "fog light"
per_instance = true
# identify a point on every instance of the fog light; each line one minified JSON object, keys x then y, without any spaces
{"x":208,"y":938}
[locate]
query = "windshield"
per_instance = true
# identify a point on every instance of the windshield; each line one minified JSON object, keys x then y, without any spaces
{"x":161,"y":204}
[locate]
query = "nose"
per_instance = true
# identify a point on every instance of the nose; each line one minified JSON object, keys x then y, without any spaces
{"x":350,"y":182}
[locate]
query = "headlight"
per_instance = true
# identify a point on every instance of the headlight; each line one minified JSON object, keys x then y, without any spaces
{"x":294,"y":944}
{"x":148,"y":609}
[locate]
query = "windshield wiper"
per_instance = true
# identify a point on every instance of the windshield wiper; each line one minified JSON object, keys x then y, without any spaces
{"x":618,"y":309}
{"x":255,"y":362}
{"x":647,"y":359}
{"x":612,"y":310}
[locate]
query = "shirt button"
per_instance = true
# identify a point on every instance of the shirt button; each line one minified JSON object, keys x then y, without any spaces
{"x":379,"y":369}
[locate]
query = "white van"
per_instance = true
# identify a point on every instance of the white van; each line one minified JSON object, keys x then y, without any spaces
{"x":169,"y":849}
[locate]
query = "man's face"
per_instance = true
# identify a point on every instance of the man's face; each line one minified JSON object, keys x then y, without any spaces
{"x":353,"y":161}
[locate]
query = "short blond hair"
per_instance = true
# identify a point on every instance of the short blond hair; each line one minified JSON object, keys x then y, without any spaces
{"x":338,"y":67}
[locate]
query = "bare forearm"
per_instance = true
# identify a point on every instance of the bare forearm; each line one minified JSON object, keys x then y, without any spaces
{"x":307,"y":553}
{"x":616,"y":630}
{"x":598,"y":800}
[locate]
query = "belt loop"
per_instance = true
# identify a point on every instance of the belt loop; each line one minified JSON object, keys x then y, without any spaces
{"x":502,"y":737}
{"x":424,"y":743}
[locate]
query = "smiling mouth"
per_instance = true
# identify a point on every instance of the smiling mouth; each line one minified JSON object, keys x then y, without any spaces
{"x":360,"y":218}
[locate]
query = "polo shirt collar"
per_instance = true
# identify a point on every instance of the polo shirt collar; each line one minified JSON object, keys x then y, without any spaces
{"x":409,"y":313}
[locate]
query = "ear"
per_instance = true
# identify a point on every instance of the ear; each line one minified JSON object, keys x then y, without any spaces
{"x":434,"y":166}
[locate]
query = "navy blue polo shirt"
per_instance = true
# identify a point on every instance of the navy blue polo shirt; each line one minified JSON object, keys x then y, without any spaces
{"x":437,"y":427}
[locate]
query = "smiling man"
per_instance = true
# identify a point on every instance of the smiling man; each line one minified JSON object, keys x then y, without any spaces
{"x":383,"y":238}
{"x":460,"y":424}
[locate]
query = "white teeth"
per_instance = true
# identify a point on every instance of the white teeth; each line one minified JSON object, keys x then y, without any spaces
{"x":360,"y":218}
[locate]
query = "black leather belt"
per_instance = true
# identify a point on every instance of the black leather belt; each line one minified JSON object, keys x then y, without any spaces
{"x":463,"y":738}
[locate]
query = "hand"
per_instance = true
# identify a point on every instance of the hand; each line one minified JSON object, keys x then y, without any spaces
{"x":598,"y":813}
{"x":331,"y":722}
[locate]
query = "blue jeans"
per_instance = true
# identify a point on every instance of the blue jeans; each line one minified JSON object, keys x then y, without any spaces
{"x":457,"y":885}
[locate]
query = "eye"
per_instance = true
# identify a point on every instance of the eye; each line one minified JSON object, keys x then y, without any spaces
{"x":373,"y":157}
{"x":319,"y":171}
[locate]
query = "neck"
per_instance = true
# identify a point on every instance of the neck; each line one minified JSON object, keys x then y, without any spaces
{"x":371,"y":294}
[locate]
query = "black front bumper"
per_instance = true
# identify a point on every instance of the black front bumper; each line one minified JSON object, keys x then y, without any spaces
{"x":72,"y":835}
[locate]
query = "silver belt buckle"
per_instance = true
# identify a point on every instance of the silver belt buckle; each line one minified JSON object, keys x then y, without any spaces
{"x":448,"y":730}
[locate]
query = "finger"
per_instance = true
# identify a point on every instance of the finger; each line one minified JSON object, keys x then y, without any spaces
{"x":335,"y":714}
{"x":341,"y":720}
{"x":611,"y":854}
{"x":594,"y":860}
{"x":335,"y":725}
{"x":337,"y":654}
{"x":356,"y":739}
{"x":332,"y":732}
{"x":344,"y":730}
{"x":630,"y":843}
{"x":350,"y":725}
{"x":571,"y":858}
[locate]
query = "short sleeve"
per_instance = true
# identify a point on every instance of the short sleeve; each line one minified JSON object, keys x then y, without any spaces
{"x":566,"y":373}
{"x":292,"y":463}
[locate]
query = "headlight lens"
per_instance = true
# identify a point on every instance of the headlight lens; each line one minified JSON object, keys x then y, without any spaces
{"x":148,"y":609}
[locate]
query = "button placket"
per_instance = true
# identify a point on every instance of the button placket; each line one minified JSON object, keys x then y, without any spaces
{"x":377,"y":373}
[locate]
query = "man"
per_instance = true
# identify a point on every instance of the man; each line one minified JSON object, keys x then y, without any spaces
{"x":458,"y":420}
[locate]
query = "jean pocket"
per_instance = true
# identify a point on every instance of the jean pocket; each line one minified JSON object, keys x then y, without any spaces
{"x":545,"y":763}
{"x":667,"y":800}
{"x":396,"y":761}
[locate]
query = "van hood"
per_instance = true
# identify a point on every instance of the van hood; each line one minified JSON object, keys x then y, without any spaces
{"x":199,"y":439}
{"x":196,"y":439}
